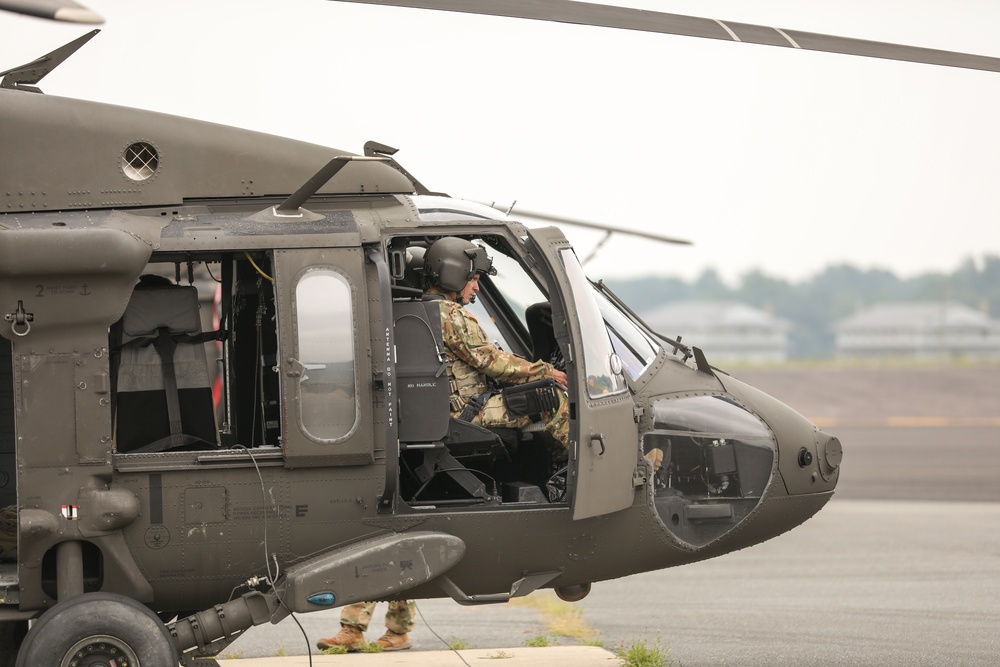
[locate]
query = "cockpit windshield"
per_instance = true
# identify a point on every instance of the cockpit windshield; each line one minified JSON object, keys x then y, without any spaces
{"x":636,"y":350}
{"x":600,"y":360}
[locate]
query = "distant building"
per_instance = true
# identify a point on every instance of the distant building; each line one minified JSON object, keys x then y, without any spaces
{"x":727,"y":331}
{"x":918,"y":330}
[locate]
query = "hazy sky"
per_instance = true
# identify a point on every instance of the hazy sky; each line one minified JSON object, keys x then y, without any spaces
{"x":768,"y":158}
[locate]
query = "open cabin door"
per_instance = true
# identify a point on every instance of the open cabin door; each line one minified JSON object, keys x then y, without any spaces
{"x":324,"y":361}
{"x":606,"y":439}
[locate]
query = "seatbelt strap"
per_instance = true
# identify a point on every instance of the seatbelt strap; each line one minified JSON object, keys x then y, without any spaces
{"x":164,"y":345}
{"x":474,"y":406}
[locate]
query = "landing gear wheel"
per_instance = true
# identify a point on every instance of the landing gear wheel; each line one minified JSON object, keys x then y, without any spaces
{"x":98,"y":630}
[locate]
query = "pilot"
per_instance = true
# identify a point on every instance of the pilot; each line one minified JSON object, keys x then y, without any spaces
{"x":354,"y":620}
{"x":452,"y":267}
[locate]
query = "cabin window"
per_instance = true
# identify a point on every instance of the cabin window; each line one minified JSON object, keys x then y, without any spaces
{"x":326,"y":393}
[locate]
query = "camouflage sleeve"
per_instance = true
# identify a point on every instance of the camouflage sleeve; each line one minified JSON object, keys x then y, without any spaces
{"x":466,"y":340}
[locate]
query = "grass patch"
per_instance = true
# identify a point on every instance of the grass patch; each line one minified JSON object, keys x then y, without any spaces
{"x":562,"y":619}
{"x":458,"y":644}
{"x":334,"y":650}
{"x":500,"y":655}
{"x":538,"y":641}
{"x":639,"y":653}
{"x":371,"y":648}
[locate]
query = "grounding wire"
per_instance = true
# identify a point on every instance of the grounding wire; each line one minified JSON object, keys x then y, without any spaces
{"x":453,"y":649}
{"x":267,"y":561}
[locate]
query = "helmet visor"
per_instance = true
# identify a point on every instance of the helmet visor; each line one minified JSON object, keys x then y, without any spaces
{"x":481,"y":262}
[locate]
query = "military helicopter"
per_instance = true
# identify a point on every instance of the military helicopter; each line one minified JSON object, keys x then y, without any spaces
{"x":160,"y":515}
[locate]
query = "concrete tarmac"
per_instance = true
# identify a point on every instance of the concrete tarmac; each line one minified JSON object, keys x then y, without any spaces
{"x":862,"y":583}
{"x":578,"y":656}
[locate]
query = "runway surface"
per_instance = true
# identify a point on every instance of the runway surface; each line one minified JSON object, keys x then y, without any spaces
{"x":901,"y":568}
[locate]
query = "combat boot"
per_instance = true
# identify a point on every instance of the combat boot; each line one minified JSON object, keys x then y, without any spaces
{"x":394,"y":641}
{"x":350,"y":637}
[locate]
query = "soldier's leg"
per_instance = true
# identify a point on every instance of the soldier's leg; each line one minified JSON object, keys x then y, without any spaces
{"x":556,"y":424}
{"x":494,"y":413}
{"x":400,"y":616}
{"x":358,"y":615}
{"x":398,"y":622}
{"x":354,"y":619}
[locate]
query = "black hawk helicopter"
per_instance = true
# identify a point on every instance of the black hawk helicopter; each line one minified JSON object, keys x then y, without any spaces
{"x":165,"y":505}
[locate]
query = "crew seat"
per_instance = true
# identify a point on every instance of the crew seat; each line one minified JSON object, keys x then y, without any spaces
{"x":444,"y":444}
{"x":164,"y":393}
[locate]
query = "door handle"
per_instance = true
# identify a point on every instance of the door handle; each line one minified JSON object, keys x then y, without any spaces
{"x":598,"y":438}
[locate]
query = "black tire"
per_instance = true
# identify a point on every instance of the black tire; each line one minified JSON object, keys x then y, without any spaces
{"x":11,"y":635}
{"x":95,"y":628}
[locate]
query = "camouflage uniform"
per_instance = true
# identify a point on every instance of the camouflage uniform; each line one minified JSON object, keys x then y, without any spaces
{"x":472,"y":358}
{"x":399,"y":617}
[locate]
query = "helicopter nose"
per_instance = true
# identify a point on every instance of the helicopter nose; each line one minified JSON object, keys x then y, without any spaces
{"x":809,"y":458}
{"x":831,"y":453}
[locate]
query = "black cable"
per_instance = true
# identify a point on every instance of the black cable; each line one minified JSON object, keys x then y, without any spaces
{"x":267,"y":561}
{"x":453,"y":649}
{"x":209,"y":269}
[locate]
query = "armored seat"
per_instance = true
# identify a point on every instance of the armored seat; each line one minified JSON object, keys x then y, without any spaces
{"x":444,"y":444}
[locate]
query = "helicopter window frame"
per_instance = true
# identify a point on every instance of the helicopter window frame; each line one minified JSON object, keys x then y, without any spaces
{"x":336,"y":314}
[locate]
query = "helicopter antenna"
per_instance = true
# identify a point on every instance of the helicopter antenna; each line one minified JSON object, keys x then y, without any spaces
{"x":21,"y":78}
{"x":376,"y":149}
{"x":292,"y":207}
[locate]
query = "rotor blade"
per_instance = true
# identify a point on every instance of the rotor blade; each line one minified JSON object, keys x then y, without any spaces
{"x":629,"y":18}
{"x":596,"y":225}
{"x":58,"y":10}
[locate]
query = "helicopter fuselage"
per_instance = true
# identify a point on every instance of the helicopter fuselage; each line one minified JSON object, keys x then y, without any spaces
{"x":211,"y":384}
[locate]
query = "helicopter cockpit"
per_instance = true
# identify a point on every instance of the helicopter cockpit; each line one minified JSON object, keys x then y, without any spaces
{"x":447,"y":462}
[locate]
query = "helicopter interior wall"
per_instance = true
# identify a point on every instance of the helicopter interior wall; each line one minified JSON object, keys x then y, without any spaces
{"x":252,"y":342}
{"x":706,"y":485}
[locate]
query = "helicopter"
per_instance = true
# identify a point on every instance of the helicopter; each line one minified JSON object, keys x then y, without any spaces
{"x":166,"y":505}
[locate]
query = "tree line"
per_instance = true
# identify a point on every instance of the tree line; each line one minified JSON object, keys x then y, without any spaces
{"x":814,"y":305}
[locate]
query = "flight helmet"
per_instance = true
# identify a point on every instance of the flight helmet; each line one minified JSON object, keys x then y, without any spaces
{"x":452,"y":262}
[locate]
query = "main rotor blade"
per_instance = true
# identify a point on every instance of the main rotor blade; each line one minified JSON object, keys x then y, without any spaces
{"x":58,"y":10}
{"x":628,"y":18}
{"x":595,"y":225}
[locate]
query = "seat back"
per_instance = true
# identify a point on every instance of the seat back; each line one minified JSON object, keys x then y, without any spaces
{"x":421,"y":373}
{"x":164,"y":393}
